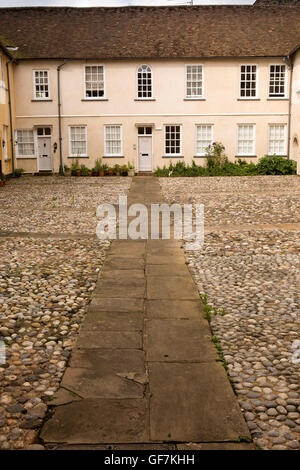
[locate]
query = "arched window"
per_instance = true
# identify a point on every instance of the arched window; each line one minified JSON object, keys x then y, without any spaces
{"x":144,"y":81}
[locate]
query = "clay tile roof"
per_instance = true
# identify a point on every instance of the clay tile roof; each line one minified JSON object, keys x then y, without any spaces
{"x":151,"y":32}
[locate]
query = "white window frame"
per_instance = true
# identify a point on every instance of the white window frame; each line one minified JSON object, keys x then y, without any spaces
{"x":94,"y":98}
{"x":35,"y":85}
{"x":165,"y":137}
{"x":240,"y":83}
{"x":194,"y":97}
{"x":285,"y":138}
{"x":86,"y":141}
{"x":197,"y":154}
{"x":18,"y":154}
{"x":137,"y":84}
{"x":247,"y":154}
{"x":5,"y":148}
{"x":285,"y":83}
{"x":107,"y":154}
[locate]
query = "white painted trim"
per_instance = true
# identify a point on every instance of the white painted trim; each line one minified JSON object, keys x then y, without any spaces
{"x":212,"y":136}
{"x":196,"y":97}
{"x":253,"y":154}
{"x":106,"y":154}
{"x":173,"y":154}
{"x":34,"y":85}
{"x":33,"y":156}
{"x":257,"y":84}
{"x":285,"y":135}
{"x":86,"y":141}
{"x":149,"y":98}
{"x":84,"y":83}
{"x":285,"y":83}
{"x":37,"y":116}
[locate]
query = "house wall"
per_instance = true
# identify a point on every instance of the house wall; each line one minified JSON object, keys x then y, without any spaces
{"x":295,"y":111}
{"x":221,"y":106}
{"x":4,"y":113}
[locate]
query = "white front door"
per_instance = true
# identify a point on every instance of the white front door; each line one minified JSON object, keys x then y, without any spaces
{"x":44,"y":156}
{"x":145,"y":153}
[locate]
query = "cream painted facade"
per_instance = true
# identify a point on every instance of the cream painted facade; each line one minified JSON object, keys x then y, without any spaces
{"x":5,"y":131}
{"x":220,"y":106}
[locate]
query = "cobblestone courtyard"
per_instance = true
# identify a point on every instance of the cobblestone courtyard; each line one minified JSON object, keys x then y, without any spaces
{"x":47,"y":276}
{"x":249,"y":270}
{"x":250,"y":267}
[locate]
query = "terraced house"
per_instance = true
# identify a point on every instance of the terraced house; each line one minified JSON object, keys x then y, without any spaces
{"x":148,"y":85}
{"x":7,"y":116}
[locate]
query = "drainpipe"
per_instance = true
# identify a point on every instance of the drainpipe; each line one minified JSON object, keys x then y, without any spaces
{"x":10,"y":119}
{"x":61,"y":170}
{"x":290,"y":64}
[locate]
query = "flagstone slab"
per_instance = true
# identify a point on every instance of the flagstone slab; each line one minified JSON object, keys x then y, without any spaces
{"x":117,"y":262}
{"x":171,"y":288}
{"x":178,"y":340}
{"x":125,"y":288}
{"x":128,"y":249}
{"x":168,"y":270}
{"x":194,"y":403}
{"x":109,"y":339}
{"x":108,"y":361}
{"x":99,"y":421}
{"x":123,"y":274}
{"x":92,"y":383}
{"x":165,"y":259}
{"x":110,"y":447}
{"x":100,"y":304}
{"x":217,"y":446}
{"x":112,"y":321}
{"x":167,"y":308}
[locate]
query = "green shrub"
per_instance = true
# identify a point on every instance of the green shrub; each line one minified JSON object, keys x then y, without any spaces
{"x":266,"y":166}
{"x":219,"y":165}
{"x":276,"y":166}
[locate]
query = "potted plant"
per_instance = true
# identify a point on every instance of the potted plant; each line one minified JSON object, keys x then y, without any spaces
{"x":18,"y":172}
{"x":75,"y":168}
{"x":124,"y":170}
{"x":117,"y":170}
{"x":67,"y":170}
{"x":130,"y":169}
{"x":103,"y":169}
{"x":84,"y":171}
{"x":98,"y":166}
{"x":94,"y":172}
{"x":110,"y":171}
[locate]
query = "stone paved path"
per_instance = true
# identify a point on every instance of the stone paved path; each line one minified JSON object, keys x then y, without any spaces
{"x":145,"y":373}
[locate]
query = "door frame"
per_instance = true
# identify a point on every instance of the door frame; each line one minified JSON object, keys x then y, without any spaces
{"x":37,"y":137}
{"x":138,"y":146}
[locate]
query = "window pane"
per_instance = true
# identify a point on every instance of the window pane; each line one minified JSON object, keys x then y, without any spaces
{"x":277,"y":143}
{"x":245,"y":139}
{"x":277,"y":81}
{"x":144,"y":81}
{"x":113,"y":144}
{"x":94,"y":81}
{"x":78,"y":140}
{"x":193,"y":81}
{"x":203,"y":138}
{"x":25,"y":142}
{"x":172,"y":140}
{"x":248,"y":81}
